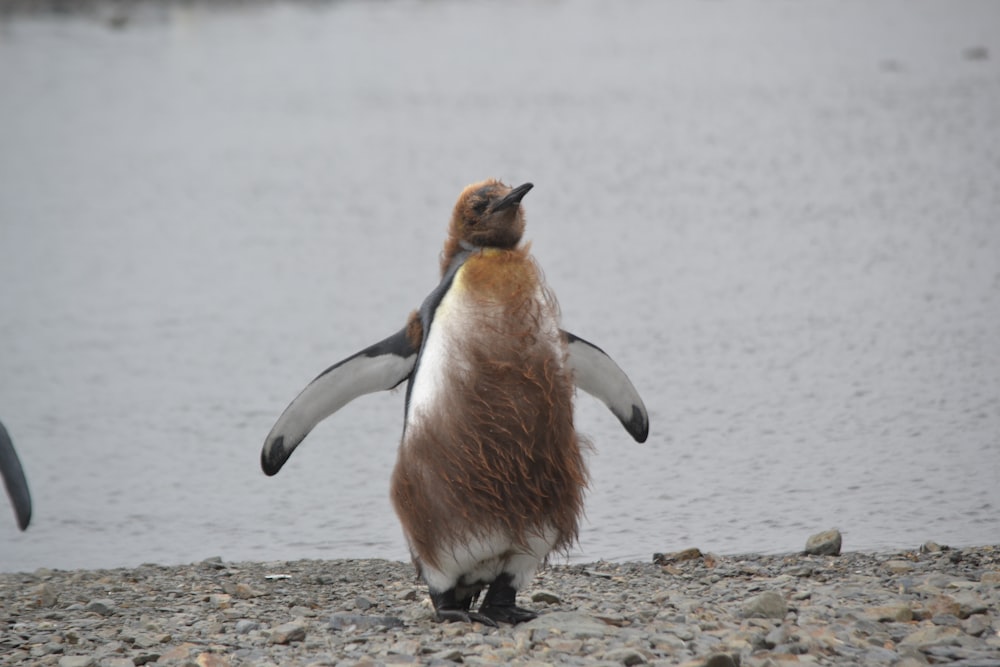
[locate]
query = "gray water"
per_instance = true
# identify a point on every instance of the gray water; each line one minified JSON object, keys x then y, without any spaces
{"x":782,"y":219}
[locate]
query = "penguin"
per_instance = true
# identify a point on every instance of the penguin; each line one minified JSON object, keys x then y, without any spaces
{"x":490,"y":474}
{"x":14,"y":480}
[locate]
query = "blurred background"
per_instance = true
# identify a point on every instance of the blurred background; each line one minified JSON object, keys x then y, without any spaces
{"x":782,"y":219}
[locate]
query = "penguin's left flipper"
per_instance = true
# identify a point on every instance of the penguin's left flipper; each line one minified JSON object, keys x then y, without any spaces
{"x":14,"y":480}
{"x":377,"y":368}
{"x":598,"y":375}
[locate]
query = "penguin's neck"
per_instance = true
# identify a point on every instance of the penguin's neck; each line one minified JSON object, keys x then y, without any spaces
{"x":457,"y":251}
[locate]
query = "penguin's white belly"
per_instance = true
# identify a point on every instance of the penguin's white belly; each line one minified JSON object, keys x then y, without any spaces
{"x":440,"y":358}
{"x":483,"y":559}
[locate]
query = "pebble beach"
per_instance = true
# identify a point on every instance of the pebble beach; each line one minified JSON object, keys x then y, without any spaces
{"x":931,"y":605}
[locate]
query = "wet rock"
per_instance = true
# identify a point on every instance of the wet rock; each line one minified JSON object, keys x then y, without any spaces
{"x":826,"y":543}
{"x":768,"y":604}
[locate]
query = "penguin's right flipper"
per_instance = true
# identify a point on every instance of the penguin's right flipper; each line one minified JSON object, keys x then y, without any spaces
{"x":377,"y":368}
{"x":14,"y":480}
{"x":598,"y":375}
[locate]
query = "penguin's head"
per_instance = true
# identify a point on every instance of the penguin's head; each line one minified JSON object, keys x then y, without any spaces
{"x":489,"y":215}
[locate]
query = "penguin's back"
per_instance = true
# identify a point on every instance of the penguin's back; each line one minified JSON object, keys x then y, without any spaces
{"x":489,"y":453}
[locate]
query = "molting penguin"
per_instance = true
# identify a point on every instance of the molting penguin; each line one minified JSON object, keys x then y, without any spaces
{"x":490,"y":475}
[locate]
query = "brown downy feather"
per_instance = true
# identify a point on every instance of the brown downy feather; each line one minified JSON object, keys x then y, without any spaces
{"x":472,"y":222}
{"x":501,"y":454}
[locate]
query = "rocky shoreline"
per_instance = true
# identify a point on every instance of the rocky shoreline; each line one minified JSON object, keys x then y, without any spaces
{"x":930,"y":606}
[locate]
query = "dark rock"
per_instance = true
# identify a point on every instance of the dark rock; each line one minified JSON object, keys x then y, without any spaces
{"x":826,"y":543}
{"x":720,"y":660}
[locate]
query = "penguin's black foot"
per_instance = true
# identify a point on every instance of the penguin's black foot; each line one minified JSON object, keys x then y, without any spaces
{"x":507,"y":614}
{"x":461,"y":616}
{"x":498,"y":603}
{"x":450,"y":608}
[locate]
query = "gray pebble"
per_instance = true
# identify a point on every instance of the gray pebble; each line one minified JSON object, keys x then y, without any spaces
{"x":76,"y":661}
{"x":343,"y":621}
{"x":718,"y":612}
{"x":768,"y":604}
{"x":286,"y":633}
{"x":44,"y":595}
{"x":548,"y":597}
{"x":244,"y":626}
{"x":104,"y":606}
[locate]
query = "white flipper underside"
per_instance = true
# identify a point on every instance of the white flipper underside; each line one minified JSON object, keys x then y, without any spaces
{"x":378,"y":368}
{"x":597,"y":374}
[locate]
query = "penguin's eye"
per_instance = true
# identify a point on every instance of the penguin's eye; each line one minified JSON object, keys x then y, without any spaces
{"x":480,"y":206}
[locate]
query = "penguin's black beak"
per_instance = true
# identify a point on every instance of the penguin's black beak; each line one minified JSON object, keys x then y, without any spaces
{"x":513,"y":198}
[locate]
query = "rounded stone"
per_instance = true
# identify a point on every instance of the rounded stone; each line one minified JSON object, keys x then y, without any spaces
{"x":826,"y":543}
{"x":768,"y":604}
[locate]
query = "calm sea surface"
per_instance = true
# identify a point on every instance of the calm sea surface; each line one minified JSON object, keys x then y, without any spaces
{"x":782,"y":219}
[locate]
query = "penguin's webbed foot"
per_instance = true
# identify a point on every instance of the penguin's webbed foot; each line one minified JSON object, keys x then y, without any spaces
{"x":498,"y":604}
{"x":507,"y":614}
{"x":449,"y":608}
{"x":462,"y":616}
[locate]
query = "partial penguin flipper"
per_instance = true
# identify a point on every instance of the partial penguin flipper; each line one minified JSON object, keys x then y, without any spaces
{"x":14,"y":480}
{"x":598,"y":375}
{"x":377,"y":368}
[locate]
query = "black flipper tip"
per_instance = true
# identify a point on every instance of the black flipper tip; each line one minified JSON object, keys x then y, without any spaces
{"x":273,"y":456}
{"x":638,"y":425}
